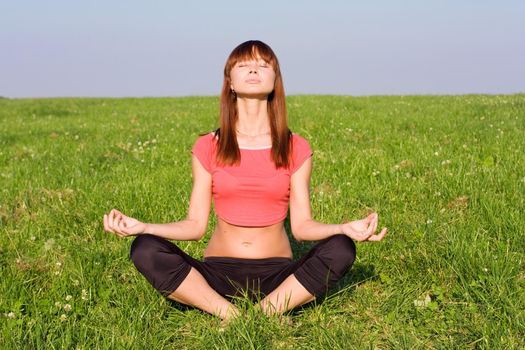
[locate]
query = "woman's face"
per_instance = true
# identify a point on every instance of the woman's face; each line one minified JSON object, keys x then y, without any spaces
{"x":252,"y":78}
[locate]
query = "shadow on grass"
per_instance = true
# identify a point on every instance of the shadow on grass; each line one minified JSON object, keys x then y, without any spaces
{"x":358,"y":274}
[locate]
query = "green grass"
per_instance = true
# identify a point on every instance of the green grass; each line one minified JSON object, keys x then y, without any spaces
{"x":445,"y":173}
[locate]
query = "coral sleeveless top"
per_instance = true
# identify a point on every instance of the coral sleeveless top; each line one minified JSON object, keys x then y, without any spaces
{"x":254,"y":193}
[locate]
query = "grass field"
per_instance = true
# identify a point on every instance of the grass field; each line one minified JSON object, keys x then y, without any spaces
{"x":445,"y":173}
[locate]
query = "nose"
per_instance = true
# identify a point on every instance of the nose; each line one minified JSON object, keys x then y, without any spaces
{"x":253,"y":68}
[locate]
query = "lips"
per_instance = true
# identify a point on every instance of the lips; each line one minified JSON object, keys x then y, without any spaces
{"x":253,"y":81}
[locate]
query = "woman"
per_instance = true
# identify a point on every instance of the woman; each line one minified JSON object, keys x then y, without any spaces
{"x":254,"y":167}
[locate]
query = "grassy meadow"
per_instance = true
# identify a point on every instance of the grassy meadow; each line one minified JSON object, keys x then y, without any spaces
{"x":445,"y":173}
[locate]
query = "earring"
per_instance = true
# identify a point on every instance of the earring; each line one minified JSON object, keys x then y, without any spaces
{"x":233,"y":92}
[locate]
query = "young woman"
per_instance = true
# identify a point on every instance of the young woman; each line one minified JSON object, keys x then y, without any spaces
{"x":254,"y":168}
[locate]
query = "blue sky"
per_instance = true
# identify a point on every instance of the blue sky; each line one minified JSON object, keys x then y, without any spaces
{"x":174,"y":48}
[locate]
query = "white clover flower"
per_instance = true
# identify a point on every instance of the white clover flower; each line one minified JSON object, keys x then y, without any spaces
{"x":57,"y":272}
{"x":84,"y":294}
{"x":429,"y":221}
{"x":58,"y":264}
{"x":67,"y":308}
{"x":63,"y":317}
{"x":76,"y":282}
{"x":422,"y":302}
{"x":49,"y":244}
{"x":485,"y":269}
{"x":33,"y":238}
{"x":69,"y":297}
{"x":58,"y":304}
{"x":11,"y":315}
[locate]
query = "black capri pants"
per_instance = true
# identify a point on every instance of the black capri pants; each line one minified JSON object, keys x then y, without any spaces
{"x":165,"y":266}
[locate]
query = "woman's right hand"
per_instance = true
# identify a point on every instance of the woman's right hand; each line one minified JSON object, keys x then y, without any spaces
{"x":122,"y":225}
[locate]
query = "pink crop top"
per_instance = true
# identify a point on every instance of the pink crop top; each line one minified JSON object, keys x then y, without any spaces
{"x":253,"y":193}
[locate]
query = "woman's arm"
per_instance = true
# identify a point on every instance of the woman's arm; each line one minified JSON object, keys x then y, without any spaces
{"x":304,"y":228}
{"x":192,"y":228}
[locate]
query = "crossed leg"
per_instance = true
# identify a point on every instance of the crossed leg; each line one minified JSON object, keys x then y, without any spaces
{"x":193,"y":289}
{"x":288,"y":295}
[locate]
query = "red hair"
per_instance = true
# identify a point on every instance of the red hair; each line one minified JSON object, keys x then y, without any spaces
{"x":228,"y":149}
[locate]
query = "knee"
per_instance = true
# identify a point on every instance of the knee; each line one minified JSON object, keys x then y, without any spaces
{"x":143,"y":251}
{"x":341,"y":251}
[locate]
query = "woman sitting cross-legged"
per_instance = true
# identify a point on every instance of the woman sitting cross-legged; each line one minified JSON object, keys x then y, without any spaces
{"x":254,"y":168}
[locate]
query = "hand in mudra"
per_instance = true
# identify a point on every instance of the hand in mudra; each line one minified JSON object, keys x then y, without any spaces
{"x":364,"y":229}
{"x":122,"y":225}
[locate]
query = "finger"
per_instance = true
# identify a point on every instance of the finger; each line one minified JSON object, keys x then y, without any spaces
{"x":112,"y":220}
{"x":109,"y":220}
{"x":106,"y":226}
{"x":116,"y":222}
{"x":116,"y":213}
{"x":371,"y":228}
{"x":118,"y":232}
{"x":376,"y":218}
{"x":119,"y":224}
{"x":122,"y":227}
{"x":379,"y":236}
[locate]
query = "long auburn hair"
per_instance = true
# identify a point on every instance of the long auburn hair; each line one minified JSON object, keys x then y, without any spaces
{"x":228,"y":149}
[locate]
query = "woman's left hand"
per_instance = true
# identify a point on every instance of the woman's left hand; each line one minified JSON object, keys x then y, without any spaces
{"x":364,"y":229}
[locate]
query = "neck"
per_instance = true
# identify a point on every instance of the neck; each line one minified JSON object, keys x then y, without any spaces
{"x":253,"y":116}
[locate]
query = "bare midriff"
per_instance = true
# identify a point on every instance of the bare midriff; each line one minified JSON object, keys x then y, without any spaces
{"x":247,"y":242}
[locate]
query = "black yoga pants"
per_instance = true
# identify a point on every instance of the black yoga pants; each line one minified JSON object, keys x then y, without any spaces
{"x":165,"y":266}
